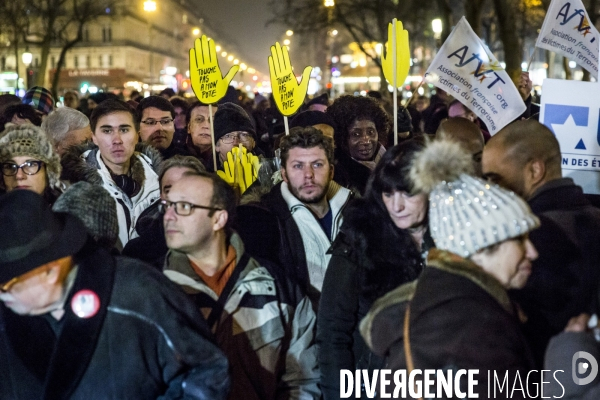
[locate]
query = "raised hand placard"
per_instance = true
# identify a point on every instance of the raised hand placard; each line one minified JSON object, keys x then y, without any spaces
{"x":207,"y":81}
{"x":287,"y":92}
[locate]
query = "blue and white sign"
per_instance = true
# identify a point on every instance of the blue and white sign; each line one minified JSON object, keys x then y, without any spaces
{"x":571,"y":109}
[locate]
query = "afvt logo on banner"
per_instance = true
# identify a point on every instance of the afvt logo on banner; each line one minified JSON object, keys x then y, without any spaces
{"x":466,"y":69}
{"x":567,"y":31}
{"x":571,"y":109}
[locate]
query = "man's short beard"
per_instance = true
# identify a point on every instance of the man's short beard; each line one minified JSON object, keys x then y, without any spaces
{"x":312,"y":200}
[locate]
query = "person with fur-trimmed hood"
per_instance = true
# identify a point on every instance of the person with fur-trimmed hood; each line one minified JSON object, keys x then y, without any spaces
{"x":125,"y":168}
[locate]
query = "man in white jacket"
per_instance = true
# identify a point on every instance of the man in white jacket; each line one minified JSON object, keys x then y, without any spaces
{"x":115,"y":160}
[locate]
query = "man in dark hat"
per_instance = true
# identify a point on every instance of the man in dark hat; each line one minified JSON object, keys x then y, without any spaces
{"x":78,"y":323}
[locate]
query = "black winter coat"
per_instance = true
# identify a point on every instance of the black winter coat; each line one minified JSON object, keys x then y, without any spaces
{"x":564,"y":278}
{"x":147,"y":340}
{"x":345,"y":299}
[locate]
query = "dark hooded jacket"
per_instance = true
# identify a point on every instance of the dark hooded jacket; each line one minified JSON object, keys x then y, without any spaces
{"x":146,"y":341}
{"x":460,"y":318}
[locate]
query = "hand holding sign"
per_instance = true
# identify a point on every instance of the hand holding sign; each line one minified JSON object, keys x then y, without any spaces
{"x":205,"y":75}
{"x":288,"y":94}
{"x":400,"y":38}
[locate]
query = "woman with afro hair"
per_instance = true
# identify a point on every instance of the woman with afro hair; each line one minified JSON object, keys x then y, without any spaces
{"x":360,"y":122}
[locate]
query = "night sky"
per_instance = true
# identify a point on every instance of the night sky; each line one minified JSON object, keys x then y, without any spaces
{"x":243,"y":22}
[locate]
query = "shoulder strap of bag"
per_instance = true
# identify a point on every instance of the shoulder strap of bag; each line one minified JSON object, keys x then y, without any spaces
{"x":409,"y":360}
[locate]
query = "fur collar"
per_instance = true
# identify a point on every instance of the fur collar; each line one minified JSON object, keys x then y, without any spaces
{"x":76,"y":168}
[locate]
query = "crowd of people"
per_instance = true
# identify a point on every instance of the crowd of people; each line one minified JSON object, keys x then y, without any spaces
{"x":132,"y":264}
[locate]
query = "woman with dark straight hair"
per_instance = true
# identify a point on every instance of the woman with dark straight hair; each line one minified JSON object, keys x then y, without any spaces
{"x":382,"y":244}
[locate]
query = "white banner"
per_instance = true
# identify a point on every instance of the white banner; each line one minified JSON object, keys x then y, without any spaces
{"x":571,"y":110}
{"x":466,"y":69}
{"x":567,"y":31}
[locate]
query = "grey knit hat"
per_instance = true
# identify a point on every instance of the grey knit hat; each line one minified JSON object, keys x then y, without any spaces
{"x":94,"y":206}
{"x":466,"y":213}
{"x":30,"y":140}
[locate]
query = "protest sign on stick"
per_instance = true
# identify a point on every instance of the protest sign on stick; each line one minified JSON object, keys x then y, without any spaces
{"x":466,"y":69}
{"x":571,"y":109}
{"x":208,"y":83}
{"x":287,"y":92}
{"x":567,"y":31}
{"x":396,"y":63}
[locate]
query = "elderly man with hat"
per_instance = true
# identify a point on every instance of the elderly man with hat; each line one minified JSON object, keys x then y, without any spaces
{"x":78,"y":323}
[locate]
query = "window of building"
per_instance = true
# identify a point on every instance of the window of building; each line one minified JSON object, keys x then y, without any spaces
{"x":100,"y":63}
{"x":36,"y":62}
{"x":53,"y":61}
{"x":107,"y":33}
{"x":76,"y":61}
{"x":88,"y":62}
{"x":110,"y":60}
{"x":86,"y":35}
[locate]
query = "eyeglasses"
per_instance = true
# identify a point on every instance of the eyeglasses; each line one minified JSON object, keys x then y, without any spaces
{"x":241,"y":136}
{"x":30,"y":167}
{"x":162,"y":122}
{"x":182,"y":208}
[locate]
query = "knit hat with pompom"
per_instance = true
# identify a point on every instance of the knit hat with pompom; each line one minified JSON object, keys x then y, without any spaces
{"x":466,"y":213}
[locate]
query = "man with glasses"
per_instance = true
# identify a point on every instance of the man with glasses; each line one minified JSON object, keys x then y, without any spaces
{"x":233,"y":127}
{"x":155,"y":116}
{"x":79,"y":323}
{"x":263,"y":322}
{"x":125,"y":168}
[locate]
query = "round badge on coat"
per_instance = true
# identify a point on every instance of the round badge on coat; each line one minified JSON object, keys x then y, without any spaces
{"x":85,"y":304}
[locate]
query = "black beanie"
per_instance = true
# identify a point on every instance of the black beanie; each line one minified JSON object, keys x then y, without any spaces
{"x":232,"y":118}
{"x":310,"y":118}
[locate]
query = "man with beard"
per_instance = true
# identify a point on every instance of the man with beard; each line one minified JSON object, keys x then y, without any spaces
{"x":308,"y":205}
{"x":155,"y":116}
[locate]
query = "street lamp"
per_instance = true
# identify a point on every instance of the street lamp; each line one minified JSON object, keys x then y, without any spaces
{"x":150,"y":5}
{"x":286,"y":42}
{"x":27,"y":57}
{"x":289,"y":32}
{"x":329,"y":3}
{"x":436,"y":26}
{"x":196,"y":31}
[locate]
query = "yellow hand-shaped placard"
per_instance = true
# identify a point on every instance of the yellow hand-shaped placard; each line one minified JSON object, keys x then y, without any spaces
{"x":288,"y":94}
{"x":240,"y":170}
{"x":205,"y":75}
{"x":402,"y":55}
